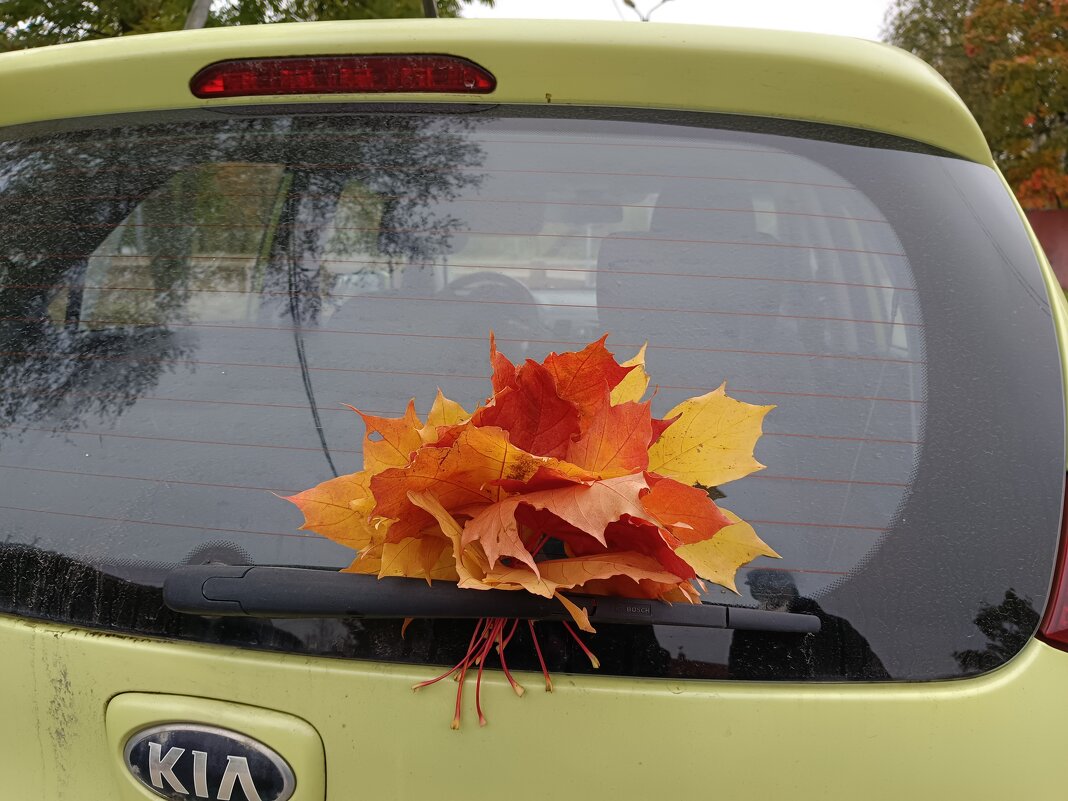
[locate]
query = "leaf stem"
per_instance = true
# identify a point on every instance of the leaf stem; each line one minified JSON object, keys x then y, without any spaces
{"x":490,"y":635}
{"x":541,"y":544}
{"x":493,"y":630}
{"x":593,"y":658}
{"x":454,"y":668}
{"x":502,"y":643}
{"x":465,"y":664}
{"x":541,"y":658}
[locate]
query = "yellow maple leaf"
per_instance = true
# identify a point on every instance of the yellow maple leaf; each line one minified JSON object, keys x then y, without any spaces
{"x":711,"y":442}
{"x":469,"y":564}
{"x":418,"y":557}
{"x":633,"y":386}
{"x":446,"y":412}
{"x":443,"y":413}
{"x":576,"y":571}
{"x":582,"y":620}
{"x":518,"y":578}
{"x":368,"y":562}
{"x":718,"y":559}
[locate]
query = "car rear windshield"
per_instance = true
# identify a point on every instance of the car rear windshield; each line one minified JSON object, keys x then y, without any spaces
{"x":188,"y":300}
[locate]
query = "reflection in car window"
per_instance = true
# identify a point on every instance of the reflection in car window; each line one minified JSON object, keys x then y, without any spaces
{"x":187,"y":306}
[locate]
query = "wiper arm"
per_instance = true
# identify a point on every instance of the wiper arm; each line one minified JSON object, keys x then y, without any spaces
{"x":294,"y":592}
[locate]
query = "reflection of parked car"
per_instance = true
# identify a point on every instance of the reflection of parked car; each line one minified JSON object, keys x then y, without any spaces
{"x":197,"y":269}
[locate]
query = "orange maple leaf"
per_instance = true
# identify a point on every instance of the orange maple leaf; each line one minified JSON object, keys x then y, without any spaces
{"x":687,"y":512}
{"x":589,"y":508}
{"x":536,"y":418}
{"x":339,"y":509}
{"x":461,"y":475}
{"x":583,"y":377}
{"x":503,"y":369}
{"x":615,"y":441}
{"x":398,"y":439}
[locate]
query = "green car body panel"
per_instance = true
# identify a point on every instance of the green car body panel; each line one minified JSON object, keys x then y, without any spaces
{"x":825,"y":79}
{"x":991,"y":737}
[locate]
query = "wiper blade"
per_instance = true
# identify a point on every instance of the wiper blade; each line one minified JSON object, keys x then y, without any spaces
{"x":294,"y":592}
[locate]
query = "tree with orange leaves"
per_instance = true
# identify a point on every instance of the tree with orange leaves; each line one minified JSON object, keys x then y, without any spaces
{"x":1008,"y":60}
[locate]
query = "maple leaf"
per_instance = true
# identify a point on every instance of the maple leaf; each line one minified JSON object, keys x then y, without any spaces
{"x":689,"y":514}
{"x":589,"y":508}
{"x":400,"y":437}
{"x":711,"y":442}
{"x":659,"y":426}
{"x":582,"y":618}
{"x":368,"y":562}
{"x":718,"y":559}
{"x":634,"y":384}
{"x":339,"y":509}
{"x":461,"y":475}
{"x":475,"y":458}
{"x":547,"y":477}
{"x":496,"y":529}
{"x":503,"y":369}
{"x":536,"y":418}
{"x":469,"y":563}
{"x":582,"y":377}
{"x":413,"y":557}
{"x":632,"y":388}
{"x":626,"y":587}
{"x":638,"y":536}
{"x":502,"y":577}
{"x":444,"y":414}
{"x":593,"y":507}
{"x":472,"y":569}
{"x":577,"y":571}
{"x":615,"y":442}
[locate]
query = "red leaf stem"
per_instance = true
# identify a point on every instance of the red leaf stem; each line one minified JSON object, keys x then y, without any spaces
{"x":502,"y":644}
{"x":541,"y":659}
{"x":593,"y":658}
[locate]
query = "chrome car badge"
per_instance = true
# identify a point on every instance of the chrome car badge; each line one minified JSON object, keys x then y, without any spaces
{"x":187,"y":761}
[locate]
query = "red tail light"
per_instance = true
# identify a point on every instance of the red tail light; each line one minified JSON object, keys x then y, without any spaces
{"x":1054,"y":628}
{"x":315,"y":75}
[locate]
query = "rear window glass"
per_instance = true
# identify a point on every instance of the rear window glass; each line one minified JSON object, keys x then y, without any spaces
{"x":186,"y":305}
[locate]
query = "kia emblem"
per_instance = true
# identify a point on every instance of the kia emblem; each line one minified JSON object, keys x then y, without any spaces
{"x":186,"y":761}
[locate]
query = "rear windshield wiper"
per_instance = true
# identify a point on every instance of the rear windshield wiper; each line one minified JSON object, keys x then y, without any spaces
{"x":294,"y":592}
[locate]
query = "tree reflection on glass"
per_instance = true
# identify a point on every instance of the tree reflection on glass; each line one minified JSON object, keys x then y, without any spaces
{"x":1007,"y":627}
{"x":113,"y":241}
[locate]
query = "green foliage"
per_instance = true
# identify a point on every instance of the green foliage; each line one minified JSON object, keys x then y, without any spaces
{"x":1007,"y":627}
{"x":29,"y":23}
{"x":1008,"y":60}
{"x":32,"y":23}
{"x":246,"y":12}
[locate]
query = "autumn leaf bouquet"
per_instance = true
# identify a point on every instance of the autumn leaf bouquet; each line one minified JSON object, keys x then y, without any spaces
{"x":561,"y":482}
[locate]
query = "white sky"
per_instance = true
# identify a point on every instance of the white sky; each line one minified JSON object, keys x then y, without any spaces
{"x":863,"y":18}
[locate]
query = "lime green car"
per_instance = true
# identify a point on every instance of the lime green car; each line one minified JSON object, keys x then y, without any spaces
{"x":212,"y":240}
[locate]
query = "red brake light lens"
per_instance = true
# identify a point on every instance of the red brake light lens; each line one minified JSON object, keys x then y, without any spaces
{"x":315,"y":75}
{"x":1054,"y":628}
